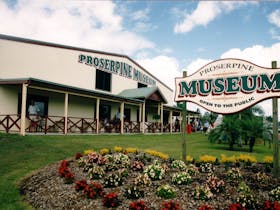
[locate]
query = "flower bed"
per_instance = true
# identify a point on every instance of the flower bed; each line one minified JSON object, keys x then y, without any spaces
{"x":129,"y":179}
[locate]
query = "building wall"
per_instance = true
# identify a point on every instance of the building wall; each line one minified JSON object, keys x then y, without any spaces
{"x":9,"y":100}
{"x":61,"y":65}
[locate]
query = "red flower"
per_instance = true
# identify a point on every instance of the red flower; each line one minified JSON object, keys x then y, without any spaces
{"x":78,"y":156}
{"x":138,"y":205}
{"x":267,"y":205}
{"x":80,"y":185}
{"x":170,"y":205}
{"x":236,"y":206}
{"x":205,"y":207}
{"x":111,"y":200}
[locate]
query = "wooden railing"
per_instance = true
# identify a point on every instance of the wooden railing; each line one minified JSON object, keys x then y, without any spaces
{"x":55,"y":124}
{"x":10,"y":123}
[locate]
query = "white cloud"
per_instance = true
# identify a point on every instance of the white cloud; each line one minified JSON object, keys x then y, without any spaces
{"x":257,"y":54}
{"x":195,"y":65}
{"x":163,"y":67}
{"x":274,"y":18}
{"x":142,"y":15}
{"x":206,"y":12}
{"x":90,"y":24}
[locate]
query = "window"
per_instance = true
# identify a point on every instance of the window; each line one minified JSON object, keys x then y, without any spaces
{"x":127,"y":114}
{"x":40,"y":101}
{"x":105,"y":112}
{"x":140,"y":85}
{"x":103,"y":80}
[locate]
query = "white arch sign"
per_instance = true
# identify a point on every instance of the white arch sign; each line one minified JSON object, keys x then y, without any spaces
{"x":228,"y":85}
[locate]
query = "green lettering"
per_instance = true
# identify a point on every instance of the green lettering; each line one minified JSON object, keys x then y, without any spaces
{"x":205,"y":87}
{"x":82,"y":58}
{"x":249,"y":83}
{"x":186,"y":89}
{"x":232,"y":85}
{"x":267,"y":84}
{"x":219,"y":86}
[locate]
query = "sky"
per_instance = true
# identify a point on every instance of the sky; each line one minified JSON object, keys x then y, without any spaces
{"x":165,"y":37}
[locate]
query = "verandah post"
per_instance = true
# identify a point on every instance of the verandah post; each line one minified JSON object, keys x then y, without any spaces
{"x":275,"y":131}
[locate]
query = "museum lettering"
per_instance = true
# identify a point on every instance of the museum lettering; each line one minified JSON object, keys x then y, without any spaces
{"x":116,"y":67}
{"x":230,"y":85}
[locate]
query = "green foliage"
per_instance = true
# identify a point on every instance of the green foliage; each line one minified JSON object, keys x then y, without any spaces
{"x":247,"y":125}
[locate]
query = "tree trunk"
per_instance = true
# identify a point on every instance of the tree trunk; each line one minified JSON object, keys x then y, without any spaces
{"x":251,"y":143}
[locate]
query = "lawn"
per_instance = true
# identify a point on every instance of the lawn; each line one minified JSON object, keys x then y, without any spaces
{"x":20,"y":156}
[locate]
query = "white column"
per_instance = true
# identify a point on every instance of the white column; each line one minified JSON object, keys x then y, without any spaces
{"x":170,"y":121}
{"x":66,"y":101}
{"x":23,"y":109}
{"x":143,"y":117}
{"x":122,"y":116}
{"x":97,"y":114}
{"x":161,"y":117}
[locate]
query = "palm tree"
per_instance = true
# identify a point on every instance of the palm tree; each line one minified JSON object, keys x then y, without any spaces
{"x":252,"y":125}
{"x":247,"y":124}
{"x":228,"y":131}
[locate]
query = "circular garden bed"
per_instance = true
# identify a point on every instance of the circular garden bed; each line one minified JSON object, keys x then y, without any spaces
{"x":129,"y":179}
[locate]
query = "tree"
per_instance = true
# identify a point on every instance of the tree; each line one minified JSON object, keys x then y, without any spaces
{"x":247,"y":124}
{"x":228,"y":131}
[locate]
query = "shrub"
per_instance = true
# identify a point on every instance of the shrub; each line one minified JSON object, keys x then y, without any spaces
{"x":202,"y":193}
{"x":248,"y":159}
{"x":138,"y":205}
{"x":104,"y":151}
{"x":80,"y":185}
{"x":268,"y":205}
{"x":121,"y":159}
{"x":192,"y":169}
{"x":65,"y":172}
{"x":157,"y":154}
{"x":246,"y":197}
{"x":134,"y":192}
{"x":137,"y":166}
{"x":205,"y":207}
{"x":178,"y":164}
{"x":143,"y":180}
{"x":215,"y":184}
{"x":236,"y":206}
{"x":118,"y":149}
{"x":268,"y":159}
{"x":181,"y":178}
{"x":111,"y":200}
{"x":166,"y":191}
{"x":96,"y":172}
{"x":93,"y":190}
{"x":261,"y":178}
{"x":208,"y":159}
{"x":113,"y":180}
{"x":78,"y":156}
{"x":155,"y":171}
{"x":234,"y":174}
{"x":230,"y":159}
{"x":131,"y":150}
{"x":170,"y":205}
{"x":206,"y":168}
{"x":275,"y":193}
{"x":88,"y":151}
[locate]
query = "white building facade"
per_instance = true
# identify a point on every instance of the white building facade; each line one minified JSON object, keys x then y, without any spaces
{"x":79,"y":91}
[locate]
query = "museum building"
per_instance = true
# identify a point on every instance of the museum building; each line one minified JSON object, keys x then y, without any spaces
{"x":77,"y":90}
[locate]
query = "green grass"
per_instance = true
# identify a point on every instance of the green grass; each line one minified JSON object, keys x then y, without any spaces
{"x":20,"y":156}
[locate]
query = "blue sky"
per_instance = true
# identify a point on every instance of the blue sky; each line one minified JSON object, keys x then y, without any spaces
{"x":165,"y":37}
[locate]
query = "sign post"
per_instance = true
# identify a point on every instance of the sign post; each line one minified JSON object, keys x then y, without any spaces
{"x":184,"y":113}
{"x":275,"y":131}
{"x":228,"y":86}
